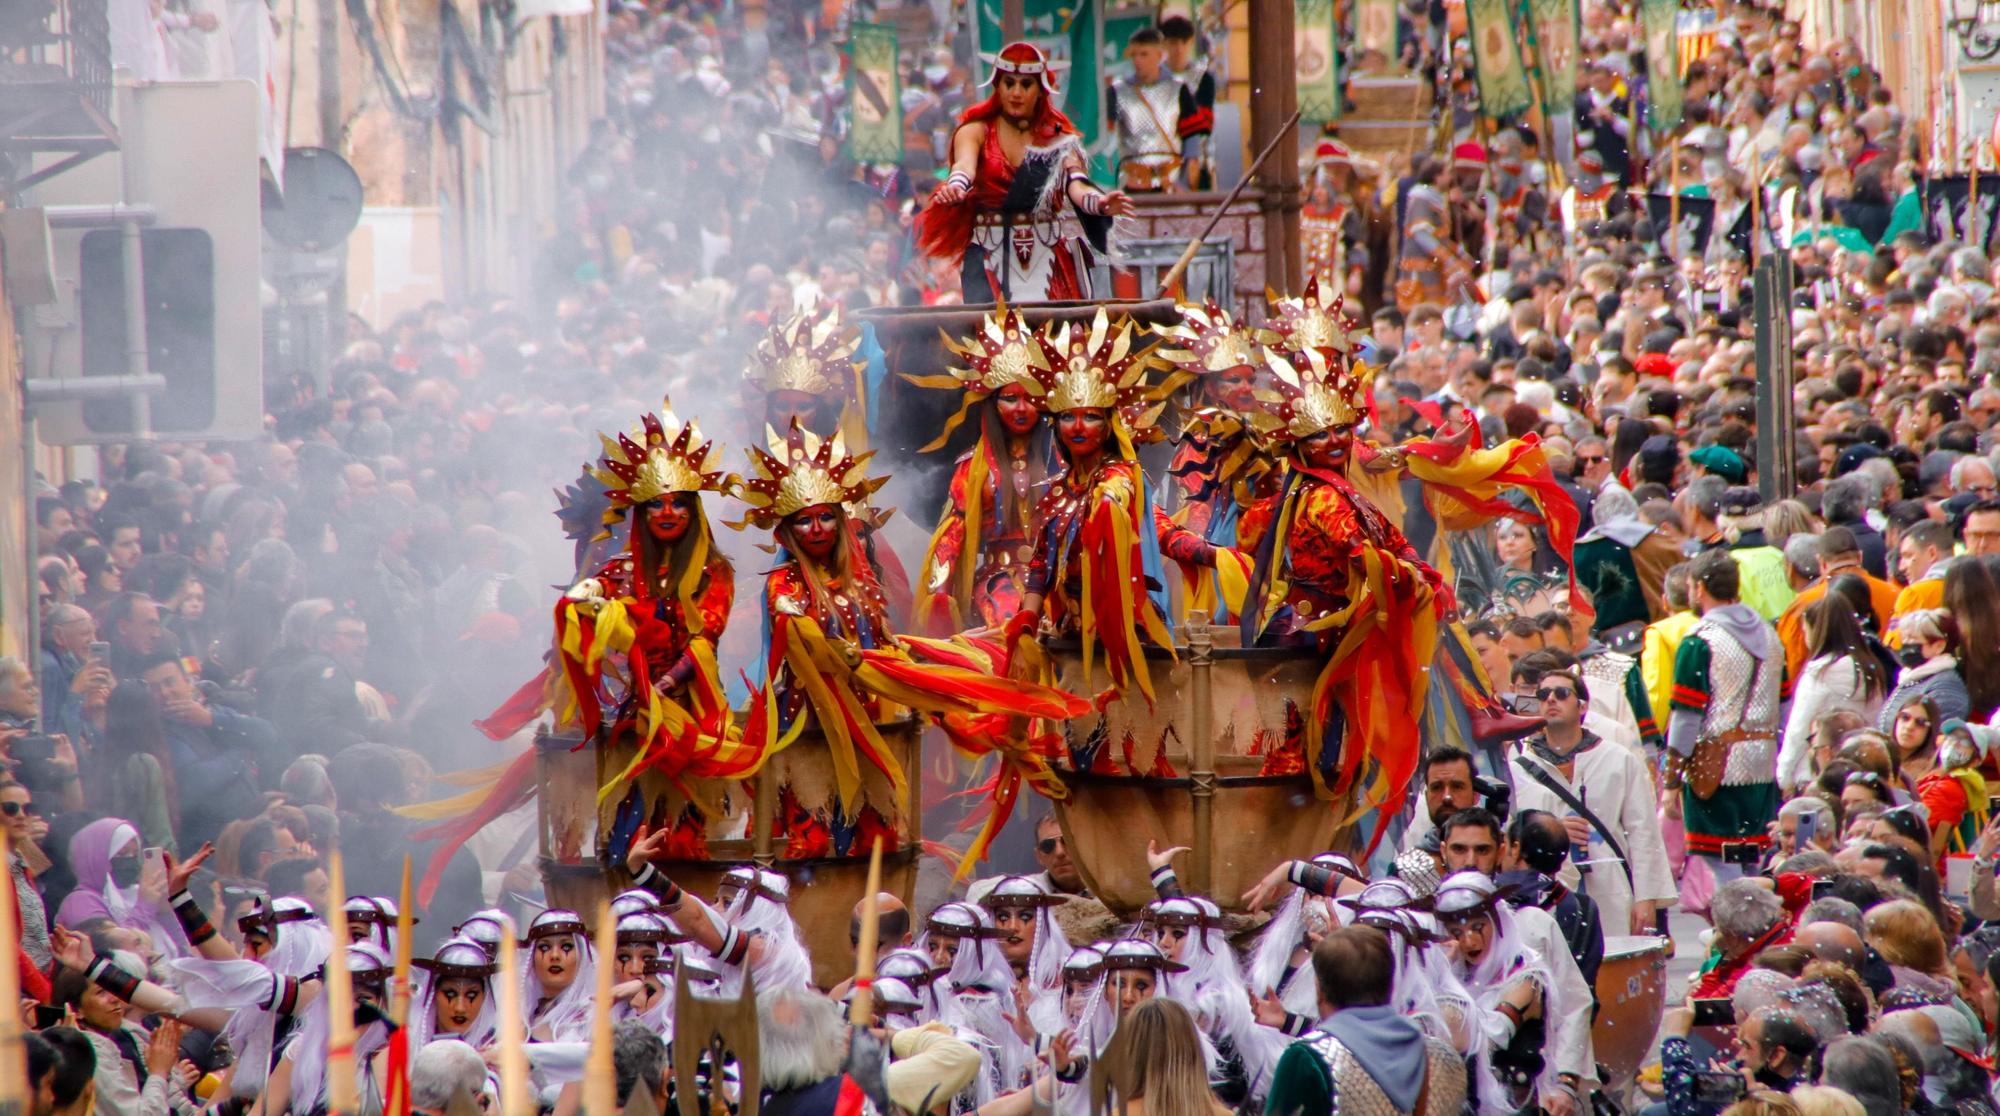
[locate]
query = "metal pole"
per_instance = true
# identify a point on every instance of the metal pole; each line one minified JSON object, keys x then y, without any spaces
{"x":1201,"y":764}
{"x":32,"y":653}
{"x":1771,"y":299}
{"x":132,"y":268}
{"x":1274,"y":93}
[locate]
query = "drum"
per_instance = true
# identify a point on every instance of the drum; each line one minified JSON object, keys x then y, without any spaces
{"x":1132,"y":770}
{"x":1631,"y":993}
{"x":792,"y":800}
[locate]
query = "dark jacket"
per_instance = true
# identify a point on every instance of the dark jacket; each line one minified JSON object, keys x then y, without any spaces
{"x":216,"y":771}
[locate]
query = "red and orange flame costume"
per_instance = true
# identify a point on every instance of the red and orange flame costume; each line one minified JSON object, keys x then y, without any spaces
{"x":977,"y":563}
{"x":1096,"y":568}
{"x":833,"y":663}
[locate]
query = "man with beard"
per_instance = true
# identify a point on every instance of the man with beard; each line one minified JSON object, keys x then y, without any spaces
{"x":1448,"y":780}
{"x":1015,"y":159}
{"x":1722,"y":735}
{"x":1471,"y":843}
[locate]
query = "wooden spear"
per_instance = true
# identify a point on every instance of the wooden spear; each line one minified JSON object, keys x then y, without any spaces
{"x":600,"y":1089}
{"x":860,"y":1008}
{"x":1174,"y":273}
{"x":400,"y":1001}
{"x":514,"y":1098}
{"x":341,"y":1096}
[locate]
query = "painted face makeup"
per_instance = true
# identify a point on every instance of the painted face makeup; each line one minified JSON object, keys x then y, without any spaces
{"x":668,"y":519}
{"x":1083,"y":432}
{"x":556,"y":962}
{"x":1016,"y":410}
{"x":1328,"y":450}
{"x":817,"y":530}
{"x":1235,"y":388}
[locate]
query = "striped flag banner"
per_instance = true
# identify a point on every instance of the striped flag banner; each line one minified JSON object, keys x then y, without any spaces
{"x":1503,"y":82}
{"x":1660,"y":20}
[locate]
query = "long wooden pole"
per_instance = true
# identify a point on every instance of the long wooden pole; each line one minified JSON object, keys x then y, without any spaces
{"x":400,"y":996}
{"x":341,"y":1095}
{"x":1274,"y":94}
{"x":1175,"y":272}
{"x":860,"y":1006}
{"x":514,"y":1099}
{"x":1674,"y":205}
{"x":600,"y":1088}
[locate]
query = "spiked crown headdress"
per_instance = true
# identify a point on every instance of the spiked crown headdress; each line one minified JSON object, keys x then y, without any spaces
{"x":1096,"y":367}
{"x":1005,"y":350}
{"x":663,"y":456}
{"x":812,"y":351}
{"x":1310,"y":390}
{"x":1210,"y":339}
{"x":1312,"y":321}
{"x":802,"y":470}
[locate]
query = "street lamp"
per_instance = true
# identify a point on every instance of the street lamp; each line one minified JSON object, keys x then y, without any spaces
{"x":1978,"y":41}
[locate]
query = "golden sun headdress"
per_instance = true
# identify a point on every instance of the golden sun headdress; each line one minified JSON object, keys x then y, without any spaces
{"x":1005,"y":350}
{"x":812,"y":351}
{"x":1210,"y":339}
{"x":1310,"y":390}
{"x":1098,"y":367}
{"x":802,"y":470}
{"x":1311,"y":321}
{"x":664,"y":455}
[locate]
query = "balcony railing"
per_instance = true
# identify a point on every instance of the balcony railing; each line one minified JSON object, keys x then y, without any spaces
{"x":55,"y":88}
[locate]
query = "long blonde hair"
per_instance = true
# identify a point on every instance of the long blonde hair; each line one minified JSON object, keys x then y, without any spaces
{"x":1162,"y":1063}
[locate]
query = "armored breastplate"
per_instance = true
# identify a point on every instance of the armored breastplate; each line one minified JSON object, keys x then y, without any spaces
{"x":1149,"y":118}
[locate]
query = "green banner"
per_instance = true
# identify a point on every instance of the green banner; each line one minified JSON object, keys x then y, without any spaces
{"x":1318,"y":71}
{"x":1663,"y":63}
{"x":1503,"y":84}
{"x":1065,"y":30}
{"x":1375,"y":29}
{"x":1554,"y":28}
{"x":874,"y":95}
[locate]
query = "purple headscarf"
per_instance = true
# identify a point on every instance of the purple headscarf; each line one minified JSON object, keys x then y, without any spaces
{"x":96,"y":896}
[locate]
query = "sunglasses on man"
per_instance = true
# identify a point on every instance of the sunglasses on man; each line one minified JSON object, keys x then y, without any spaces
{"x":1047,"y":846}
{"x":1550,"y":693}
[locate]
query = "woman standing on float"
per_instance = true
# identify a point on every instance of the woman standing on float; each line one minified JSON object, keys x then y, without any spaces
{"x":1015,"y":159}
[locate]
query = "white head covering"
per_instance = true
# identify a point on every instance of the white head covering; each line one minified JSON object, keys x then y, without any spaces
{"x":567,"y":1014}
{"x":913,"y":968}
{"x":1285,"y":934}
{"x":979,"y":997}
{"x":1213,"y":988}
{"x":307,"y":1048}
{"x":487,"y":928}
{"x":458,"y":957}
{"x":255,"y":992}
{"x":1044,"y":975}
{"x":760,"y":906}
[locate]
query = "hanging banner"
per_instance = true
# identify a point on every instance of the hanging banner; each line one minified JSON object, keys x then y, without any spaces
{"x":874,"y":95}
{"x":1949,"y":214}
{"x":1503,"y":84}
{"x":1554,"y":28}
{"x":1318,"y":72}
{"x":1663,"y":63}
{"x":1375,"y":29}
{"x":1688,"y":240}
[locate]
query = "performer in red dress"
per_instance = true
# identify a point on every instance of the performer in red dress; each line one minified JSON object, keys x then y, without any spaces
{"x":1096,"y":570}
{"x":1219,"y":467}
{"x":1015,"y":160}
{"x":832,"y":659}
{"x":978,"y":558}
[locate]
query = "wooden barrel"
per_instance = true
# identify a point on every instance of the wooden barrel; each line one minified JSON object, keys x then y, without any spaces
{"x":1631,"y":991}
{"x":577,"y":873}
{"x":1135,"y":772}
